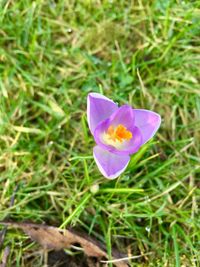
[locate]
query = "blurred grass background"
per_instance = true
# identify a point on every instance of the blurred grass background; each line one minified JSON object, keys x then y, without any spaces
{"x":145,"y":53}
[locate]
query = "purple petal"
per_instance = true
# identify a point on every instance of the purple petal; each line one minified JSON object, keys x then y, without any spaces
{"x":148,"y":122}
{"x":124,"y":115}
{"x":109,"y":164}
{"x":99,"y":108}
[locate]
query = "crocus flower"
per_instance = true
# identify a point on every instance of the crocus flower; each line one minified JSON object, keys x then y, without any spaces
{"x":118,"y":132}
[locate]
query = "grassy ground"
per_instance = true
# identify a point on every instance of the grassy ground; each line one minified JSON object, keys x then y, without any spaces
{"x":146,"y":53}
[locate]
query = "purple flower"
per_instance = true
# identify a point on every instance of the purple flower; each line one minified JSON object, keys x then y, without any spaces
{"x":118,"y":132}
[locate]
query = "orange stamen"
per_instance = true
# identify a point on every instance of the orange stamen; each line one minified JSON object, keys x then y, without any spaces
{"x":120,"y":133}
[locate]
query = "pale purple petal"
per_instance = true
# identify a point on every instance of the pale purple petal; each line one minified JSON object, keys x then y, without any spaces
{"x":124,"y":115}
{"x":148,"y":122}
{"x":109,"y":164}
{"x":99,"y":108}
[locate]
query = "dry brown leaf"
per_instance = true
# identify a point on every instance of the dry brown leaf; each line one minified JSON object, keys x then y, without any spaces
{"x":5,"y":256}
{"x":51,"y":237}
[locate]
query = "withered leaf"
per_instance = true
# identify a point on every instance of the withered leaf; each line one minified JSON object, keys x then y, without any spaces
{"x":50,"y":237}
{"x":5,"y":256}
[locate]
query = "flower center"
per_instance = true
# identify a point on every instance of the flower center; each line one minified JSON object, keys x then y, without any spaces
{"x":120,"y":133}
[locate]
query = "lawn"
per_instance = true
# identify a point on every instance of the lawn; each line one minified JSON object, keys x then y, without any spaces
{"x":144,"y":53}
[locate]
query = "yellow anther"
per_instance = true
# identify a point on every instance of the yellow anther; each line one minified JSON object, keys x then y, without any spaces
{"x":120,"y":133}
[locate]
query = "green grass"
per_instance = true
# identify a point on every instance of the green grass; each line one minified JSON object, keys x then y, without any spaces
{"x":146,"y":53}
